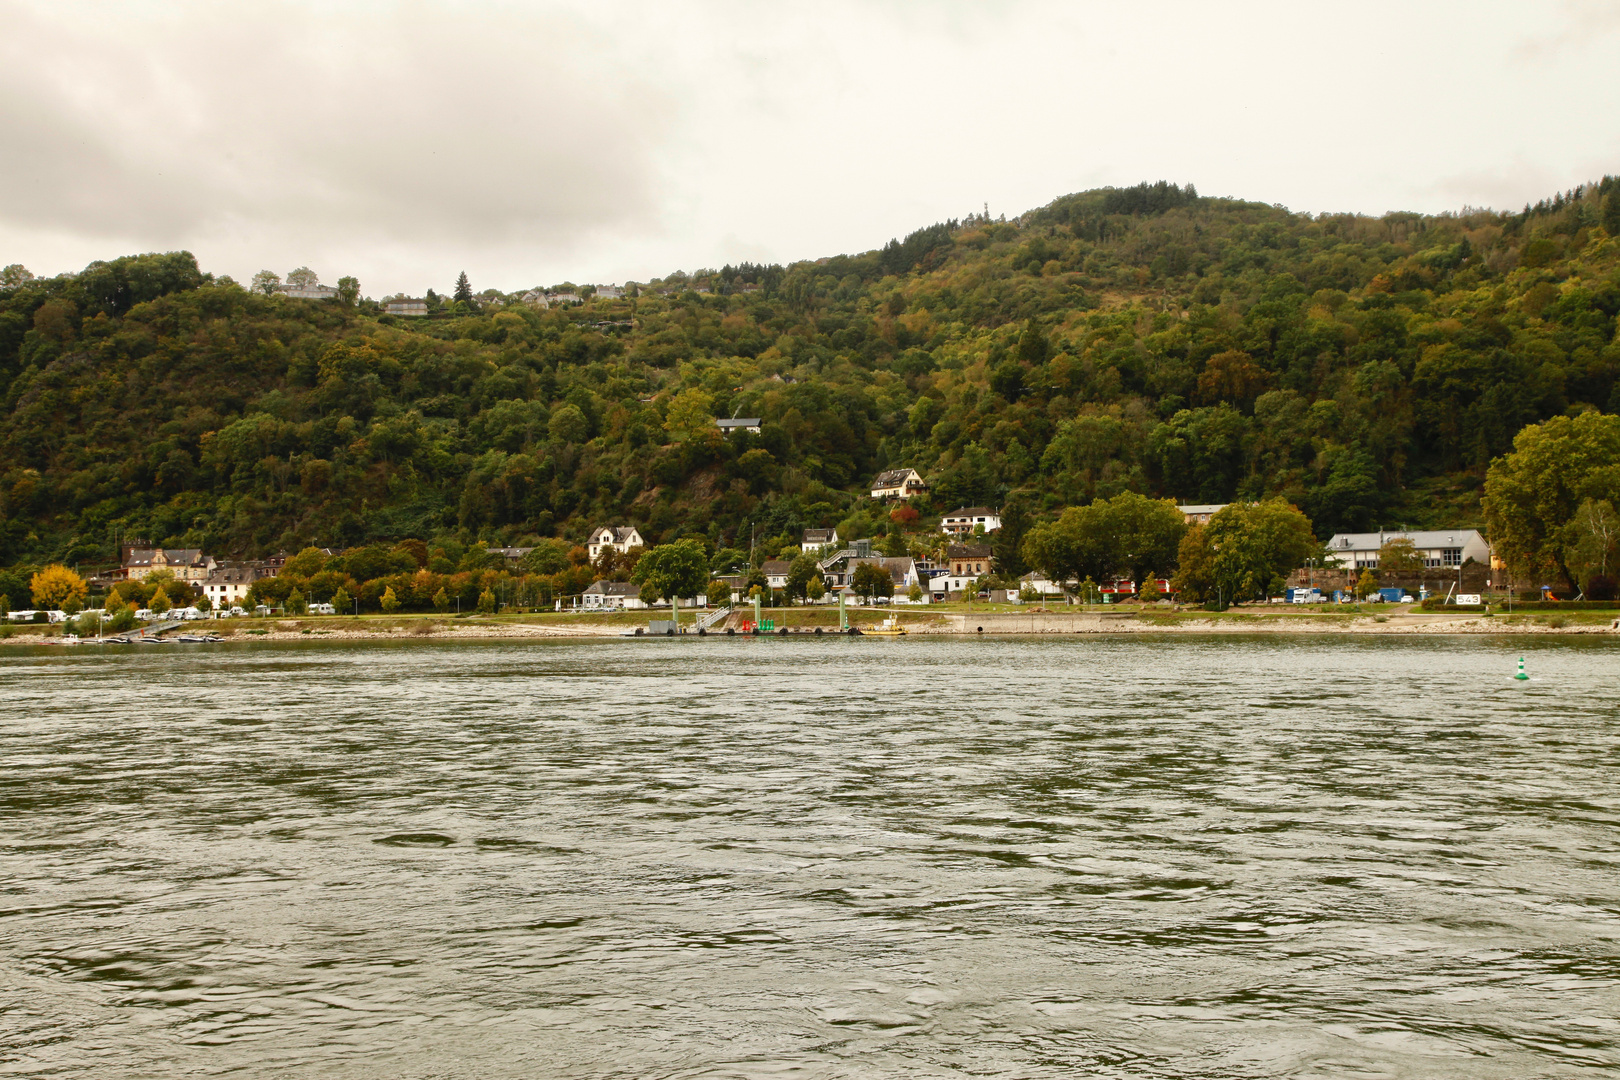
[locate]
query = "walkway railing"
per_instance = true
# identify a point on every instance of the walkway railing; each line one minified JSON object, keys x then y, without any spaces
{"x":715,"y":616}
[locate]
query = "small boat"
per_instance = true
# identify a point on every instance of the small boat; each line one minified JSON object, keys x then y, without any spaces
{"x":889,"y":627}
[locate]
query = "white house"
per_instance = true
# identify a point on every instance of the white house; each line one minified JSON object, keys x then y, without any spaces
{"x":228,"y":586}
{"x":1041,"y":584}
{"x":1200,"y":513}
{"x":898,"y":484}
{"x":405,"y":305}
{"x":746,"y":424}
{"x":309,"y":292}
{"x":816,"y":539}
{"x":609,"y":292}
{"x":1442,"y":549}
{"x":776,"y":572}
{"x":964,"y":520}
{"x":612,"y":596}
{"x":620,"y":538}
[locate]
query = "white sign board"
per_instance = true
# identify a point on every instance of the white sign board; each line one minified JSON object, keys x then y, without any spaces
{"x":1468,"y":598}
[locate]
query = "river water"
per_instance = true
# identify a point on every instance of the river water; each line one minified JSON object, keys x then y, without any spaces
{"x":1144,"y":857}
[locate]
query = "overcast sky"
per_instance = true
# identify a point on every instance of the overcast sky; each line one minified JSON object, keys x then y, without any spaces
{"x":531,"y":143}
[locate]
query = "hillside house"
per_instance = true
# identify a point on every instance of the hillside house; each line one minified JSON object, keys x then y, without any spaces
{"x":620,"y":538}
{"x":776,"y":572}
{"x":968,"y":560}
{"x":187,"y":564}
{"x":898,"y":484}
{"x":962,"y":521}
{"x":1200,"y":513}
{"x":749,"y":424}
{"x":817,"y":539}
{"x":406,"y":305}
{"x":309,"y":292}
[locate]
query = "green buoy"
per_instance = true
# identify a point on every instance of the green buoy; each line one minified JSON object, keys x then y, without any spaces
{"x":1521,"y":674}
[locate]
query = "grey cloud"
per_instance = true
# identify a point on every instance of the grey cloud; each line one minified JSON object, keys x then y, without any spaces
{"x":410,"y":120}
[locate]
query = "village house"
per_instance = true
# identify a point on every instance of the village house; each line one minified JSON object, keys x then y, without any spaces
{"x":1040,"y":584}
{"x":816,"y":539}
{"x":612,"y":596}
{"x":838,"y":569}
{"x":902,"y":571}
{"x":404,"y":305}
{"x":776,"y":573}
{"x":962,"y":521}
{"x":1200,"y":513}
{"x":511,"y":554}
{"x":187,"y":564}
{"x":898,"y":484}
{"x":228,"y":586}
{"x":965,"y":564}
{"x":609,"y":292}
{"x":620,"y":538}
{"x":750,"y":424}
{"x":968,"y":559}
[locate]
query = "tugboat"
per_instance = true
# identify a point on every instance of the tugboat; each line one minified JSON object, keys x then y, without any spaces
{"x":889,"y":627}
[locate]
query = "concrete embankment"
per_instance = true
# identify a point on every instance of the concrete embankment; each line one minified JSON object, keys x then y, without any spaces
{"x":1057,"y":622}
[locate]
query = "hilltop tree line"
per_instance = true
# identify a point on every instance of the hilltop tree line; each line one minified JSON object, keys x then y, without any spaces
{"x":1148,"y":340}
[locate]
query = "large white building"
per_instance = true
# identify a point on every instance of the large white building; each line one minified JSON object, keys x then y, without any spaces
{"x":963,"y":521}
{"x":1441,"y":549}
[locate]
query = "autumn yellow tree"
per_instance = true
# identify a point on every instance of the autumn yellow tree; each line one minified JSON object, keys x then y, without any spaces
{"x":54,"y":586}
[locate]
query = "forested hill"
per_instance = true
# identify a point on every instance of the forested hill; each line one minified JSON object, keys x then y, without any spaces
{"x":1142,"y":339}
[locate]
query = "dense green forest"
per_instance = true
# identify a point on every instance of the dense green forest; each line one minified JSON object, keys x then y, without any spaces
{"x":1144,"y":339}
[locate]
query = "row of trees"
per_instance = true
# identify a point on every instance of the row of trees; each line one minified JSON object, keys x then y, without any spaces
{"x":1245,"y":552}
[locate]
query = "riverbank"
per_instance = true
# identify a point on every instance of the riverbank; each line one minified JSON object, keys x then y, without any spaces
{"x":921,"y":622}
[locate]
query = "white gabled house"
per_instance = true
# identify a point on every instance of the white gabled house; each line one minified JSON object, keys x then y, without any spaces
{"x":817,"y":539}
{"x":620,"y":538}
{"x":612,"y":596}
{"x":898,"y":484}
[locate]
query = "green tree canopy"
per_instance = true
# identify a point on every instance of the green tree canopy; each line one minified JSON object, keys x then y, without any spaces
{"x":871,"y":580}
{"x":672,"y":571}
{"x":1256,"y":546}
{"x":1532,"y":494}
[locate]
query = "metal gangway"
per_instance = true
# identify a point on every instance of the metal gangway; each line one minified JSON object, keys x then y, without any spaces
{"x":715,"y":616}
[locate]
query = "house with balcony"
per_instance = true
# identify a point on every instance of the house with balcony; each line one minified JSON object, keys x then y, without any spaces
{"x":899,"y":484}
{"x":963,"y":520}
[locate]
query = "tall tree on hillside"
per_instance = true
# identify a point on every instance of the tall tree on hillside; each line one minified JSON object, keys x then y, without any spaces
{"x":463,"y":289}
{"x":266,"y":282}
{"x":348,"y":289}
{"x":302,"y":278}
